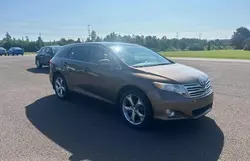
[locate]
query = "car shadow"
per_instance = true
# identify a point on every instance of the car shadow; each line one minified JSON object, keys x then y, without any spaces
{"x":91,"y":129}
{"x":43,"y":70}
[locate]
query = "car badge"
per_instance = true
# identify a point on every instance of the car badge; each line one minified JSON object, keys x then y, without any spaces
{"x":202,"y":81}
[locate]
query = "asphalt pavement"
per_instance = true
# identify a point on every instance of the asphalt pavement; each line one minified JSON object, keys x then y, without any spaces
{"x":36,"y":126}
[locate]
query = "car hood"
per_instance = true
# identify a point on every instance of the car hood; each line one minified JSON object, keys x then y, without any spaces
{"x":177,"y":73}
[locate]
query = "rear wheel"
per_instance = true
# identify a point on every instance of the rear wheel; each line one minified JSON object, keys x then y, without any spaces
{"x":60,"y":87}
{"x":136,"y":109}
{"x":38,"y":64}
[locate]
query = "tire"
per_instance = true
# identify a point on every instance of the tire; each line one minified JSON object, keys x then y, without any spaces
{"x":38,"y":64}
{"x":139,"y":116}
{"x":60,"y":87}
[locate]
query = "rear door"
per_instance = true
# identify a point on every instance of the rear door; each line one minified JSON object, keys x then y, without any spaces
{"x":48,"y":55}
{"x":42,"y":55}
{"x":76,"y":67}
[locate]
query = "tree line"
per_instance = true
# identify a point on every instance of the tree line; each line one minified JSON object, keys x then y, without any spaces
{"x":239,"y":40}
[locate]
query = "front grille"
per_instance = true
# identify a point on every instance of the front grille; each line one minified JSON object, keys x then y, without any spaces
{"x":196,"y":90}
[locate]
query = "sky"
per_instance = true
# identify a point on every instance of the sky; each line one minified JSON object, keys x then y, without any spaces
{"x":55,"y":19}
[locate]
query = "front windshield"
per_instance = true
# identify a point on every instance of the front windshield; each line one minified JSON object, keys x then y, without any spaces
{"x":138,"y":56}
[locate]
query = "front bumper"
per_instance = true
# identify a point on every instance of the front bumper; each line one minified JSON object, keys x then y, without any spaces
{"x":183,"y":108}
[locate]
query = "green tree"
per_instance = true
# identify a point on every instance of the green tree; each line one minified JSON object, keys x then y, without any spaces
{"x":63,"y":41}
{"x":70,"y":41}
{"x":111,"y":37}
{"x":27,"y":38}
{"x":183,"y":44}
{"x":209,"y":45}
{"x":88,"y":40}
{"x":239,"y":37}
{"x":7,"y":41}
{"x":78,"y":40}
{"x":98,"y":39}
{"x":39,"y":43}
{"x":93,"y":36}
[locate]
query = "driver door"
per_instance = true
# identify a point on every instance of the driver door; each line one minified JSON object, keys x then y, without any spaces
{"x":102,"y":80}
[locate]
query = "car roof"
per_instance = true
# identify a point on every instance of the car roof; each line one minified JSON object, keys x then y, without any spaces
{"x":52,"y":46}
{"x":106,"y":44}
{"x":16,"y":47}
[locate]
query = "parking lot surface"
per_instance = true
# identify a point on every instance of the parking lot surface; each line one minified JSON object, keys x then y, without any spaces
{"x":35,"y":125}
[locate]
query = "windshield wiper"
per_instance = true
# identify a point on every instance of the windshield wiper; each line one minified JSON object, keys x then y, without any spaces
{"x":150,"y":65}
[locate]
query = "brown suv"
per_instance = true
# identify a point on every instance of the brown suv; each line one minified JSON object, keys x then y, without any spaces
{"x":143,"y":84}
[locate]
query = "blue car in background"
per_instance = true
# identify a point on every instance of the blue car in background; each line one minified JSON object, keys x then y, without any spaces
{"x":15,"y":51}
{"x":2,"y":51}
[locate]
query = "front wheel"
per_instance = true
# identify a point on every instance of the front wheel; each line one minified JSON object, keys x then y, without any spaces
{"x":136,"y":109}
{"x":38,"y":64}
{"x":60,"y":87}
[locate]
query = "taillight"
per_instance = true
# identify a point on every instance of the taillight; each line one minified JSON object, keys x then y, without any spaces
{"x":50,"y":63}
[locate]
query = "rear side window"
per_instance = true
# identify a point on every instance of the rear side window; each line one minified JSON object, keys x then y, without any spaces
{"x":96,"y":54}
{"x":62,"y":53}
{"x":49,"y":50}
{"x":79,"y":53}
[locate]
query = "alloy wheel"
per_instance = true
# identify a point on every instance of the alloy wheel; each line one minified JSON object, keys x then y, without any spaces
{"x":133,"y":109}
{"x":60,"y":87}
{"x":38,"y":63}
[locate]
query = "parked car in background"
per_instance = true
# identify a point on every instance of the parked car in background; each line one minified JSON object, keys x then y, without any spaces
{"x":144,"y":85}
{"x":45,"y":54}
{"x":2,"y":51}
{"x":15,"y":51}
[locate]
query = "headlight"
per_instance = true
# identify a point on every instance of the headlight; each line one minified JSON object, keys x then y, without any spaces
{"x":177,"y":88}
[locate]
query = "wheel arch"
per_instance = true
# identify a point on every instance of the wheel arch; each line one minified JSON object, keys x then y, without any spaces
{"x":54,"y":76}
{"x":129,"y":87}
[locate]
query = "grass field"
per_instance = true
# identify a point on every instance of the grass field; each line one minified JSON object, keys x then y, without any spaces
{"x":29,"y":53}
{"x":224,"y":54}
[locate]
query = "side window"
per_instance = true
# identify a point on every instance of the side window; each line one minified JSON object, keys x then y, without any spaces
{"x":49,"y":51}
{"x":96,"y":54}
{"x":43,"y":52}
{"x":79,"y":53}
{"x":63,"y":52}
